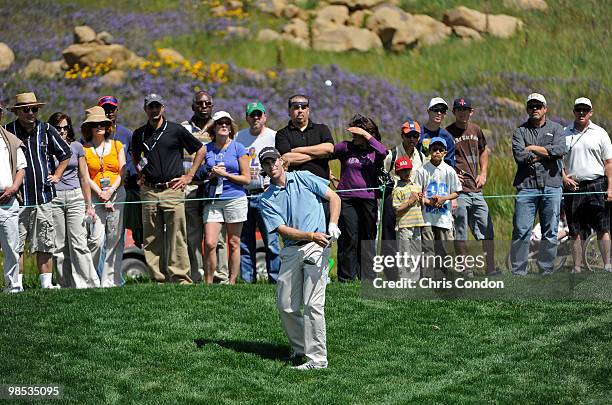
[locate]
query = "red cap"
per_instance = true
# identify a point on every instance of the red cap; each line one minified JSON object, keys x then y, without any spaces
{"x":402,"y":163}
{"x":108,"y":100}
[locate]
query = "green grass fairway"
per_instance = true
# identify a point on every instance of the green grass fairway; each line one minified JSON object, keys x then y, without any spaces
{"x":140,"y":344}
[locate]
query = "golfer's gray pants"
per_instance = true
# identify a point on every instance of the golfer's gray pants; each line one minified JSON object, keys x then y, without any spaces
{"x":304,"y":284}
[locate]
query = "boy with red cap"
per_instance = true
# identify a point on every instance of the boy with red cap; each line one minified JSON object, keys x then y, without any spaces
{"x":407,"y":200}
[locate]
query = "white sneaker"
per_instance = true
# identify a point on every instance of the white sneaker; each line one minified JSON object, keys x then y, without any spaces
{"x":52,"y":287}
{"x":311,"y":365}
{"x":13,"y":290}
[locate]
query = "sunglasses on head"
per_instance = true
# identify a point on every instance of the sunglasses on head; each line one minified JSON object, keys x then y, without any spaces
{"x":299,"y":105}
{"x":29,"y":109}
{"x":535,"y":106}
{"x":582,"y":110}
{"x":204,"y":103}
{"x":441,"y":110}
{"x":225,"y":122}
{"x":61,"y":128}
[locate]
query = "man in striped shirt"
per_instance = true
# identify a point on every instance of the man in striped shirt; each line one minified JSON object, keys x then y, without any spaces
{"x":42,"y":143}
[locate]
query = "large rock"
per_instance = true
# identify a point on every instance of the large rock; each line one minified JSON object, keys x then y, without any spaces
{"x":330,"y":16}
{"x":293,"y":11}
{"x":503,"y":26}
{"x":92,"y":54}
{"x":7,"y":57}
{"x":421,"y":30}
{"x":386,"y":21}
{"x":357,"y":4}
{"x":358,"y":18}
{"x":297,"y":28}
{"x":466,"y":17}
{"x":105,"y":38}
{"x":342,"y":38}
{"x":83,"y":34}
{"x":527,"y":4}
{"x":170,"y":55}
{"x":40,"y":68}
{"x":271,"y":6}
{"x":267,"y":35}
{"x":467,"y":34}
{"x":114,"y":78}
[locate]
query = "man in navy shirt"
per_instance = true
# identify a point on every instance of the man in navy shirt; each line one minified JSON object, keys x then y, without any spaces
{"x":436,"y":111}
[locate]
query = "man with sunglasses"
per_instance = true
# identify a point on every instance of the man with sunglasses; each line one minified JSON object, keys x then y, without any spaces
{"x":436,"y":111}
{"x":255,"y":138}
{"x":158,"y":149}
{"x":471,"y":163}
{"x":588,"y":172}
{"x":538,"y":146}
{"x":199,"y":125}
{"x":42,"y":143}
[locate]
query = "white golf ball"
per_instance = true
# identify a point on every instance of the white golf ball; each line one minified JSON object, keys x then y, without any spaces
{"x":328,"y":83}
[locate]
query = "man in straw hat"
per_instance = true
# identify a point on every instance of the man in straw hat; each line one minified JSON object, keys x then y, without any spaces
{"x":12,"y":165}
{"x":42,"y":143}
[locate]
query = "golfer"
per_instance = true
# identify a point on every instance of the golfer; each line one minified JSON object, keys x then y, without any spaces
{"x":292,"y":205}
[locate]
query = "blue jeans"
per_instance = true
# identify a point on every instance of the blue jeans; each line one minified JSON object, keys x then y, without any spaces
{"x":547,"y":203}
{"x":248,"y":245}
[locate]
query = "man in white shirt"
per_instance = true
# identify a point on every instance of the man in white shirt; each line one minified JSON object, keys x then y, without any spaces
{"x":254,"y":139}
{"x":587,"y":178}
{"x":12,"y":165}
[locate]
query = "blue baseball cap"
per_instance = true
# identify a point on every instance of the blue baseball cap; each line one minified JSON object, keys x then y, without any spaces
{"x":437,"y":139}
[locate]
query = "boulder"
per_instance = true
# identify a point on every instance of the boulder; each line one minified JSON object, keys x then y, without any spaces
{"x":274,"y":7}
{"x":83,"y":34}
{"x":466,"y":17}
{"x":527,"y":4}
{"x":330,"y":16}
{"x":297,"y":28}
{"x":114,"y":78}
{"x":385,"y":21}
{"x":503,"y":26}
{"x":40,"y":68}
{"x":467,"y":34}
{"x":7,"y":57}
{"x":105,"y":38}
{"x":293,"y":11}
{"x":170,"y":55}
{"x":420,"y":30}
{"x":267,"y":35}
{"x":343,"y":38}
{"x":357,"y":4}
{"x":358,"y":18}
{"x":92,"y":54}
{"x":237,"y":32}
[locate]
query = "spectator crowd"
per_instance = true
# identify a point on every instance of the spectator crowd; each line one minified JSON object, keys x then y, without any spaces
{"x":191,"y":192}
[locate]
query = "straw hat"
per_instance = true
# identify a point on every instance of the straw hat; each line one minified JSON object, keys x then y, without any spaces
{"x":25,"y":100}
{"x":94,"y":115}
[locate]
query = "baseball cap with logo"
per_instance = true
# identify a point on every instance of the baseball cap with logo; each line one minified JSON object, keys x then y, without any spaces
{"x":268,"y":153}
{"x":536,"y":97}
{"x":583,"y":101}
{"x":411,"y":126}
{"x":437,"y":139}
{"x":255,"y":106}
{"x":403,"y":163}
{"x":153,"y":98}
{"x":435,"y":101}
{"x":110,"y":100}
{"x":462,"y":102}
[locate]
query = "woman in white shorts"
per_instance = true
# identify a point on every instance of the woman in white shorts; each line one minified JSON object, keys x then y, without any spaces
{"x":227,"y":163}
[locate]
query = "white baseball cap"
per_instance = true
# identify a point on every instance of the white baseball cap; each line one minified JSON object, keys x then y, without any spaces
{"x":583,"y":101}
{"x":221,"y":114}
{"x":436,"y":101}
{"x":537,"y":97}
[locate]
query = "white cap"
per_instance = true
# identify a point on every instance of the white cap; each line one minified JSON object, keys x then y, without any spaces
{"x":583,"y":100}
{"x":537,"y":97}
{"x":436,"y":101}
{"x":221,"y":114}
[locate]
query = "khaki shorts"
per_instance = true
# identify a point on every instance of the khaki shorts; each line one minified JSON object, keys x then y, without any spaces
{"x":36,"y":224}
{"x":228,"y":211}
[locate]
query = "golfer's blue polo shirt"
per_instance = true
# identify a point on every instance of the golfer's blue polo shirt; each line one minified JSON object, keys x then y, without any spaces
{"x":297,"y":205}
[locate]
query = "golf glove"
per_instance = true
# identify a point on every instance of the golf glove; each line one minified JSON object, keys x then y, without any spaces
{"x":334,"y":231}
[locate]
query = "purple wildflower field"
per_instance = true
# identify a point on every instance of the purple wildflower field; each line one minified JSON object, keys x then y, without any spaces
{"x":387,"y":102}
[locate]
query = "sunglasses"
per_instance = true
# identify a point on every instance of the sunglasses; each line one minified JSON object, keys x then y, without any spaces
{"x":440,"y":110}
{"x":299,"y":106}
{"x":27,"y":110}
{"x":437,"y":149}
{"x":98,"y":125}
{"x":582,"y":110}
{"x":535,"y":106}
{"x":60,"y":128}
{"x":225,"y":122}
{"x":109,"y":108}
{"x":204,"y":103}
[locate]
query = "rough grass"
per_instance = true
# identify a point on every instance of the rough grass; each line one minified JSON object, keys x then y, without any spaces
{"x":158,"y":344}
